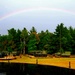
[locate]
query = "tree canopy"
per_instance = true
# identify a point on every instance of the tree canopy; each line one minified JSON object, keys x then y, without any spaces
{"x":63,"y":39}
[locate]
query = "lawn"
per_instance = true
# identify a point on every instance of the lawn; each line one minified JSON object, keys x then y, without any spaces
{"x":60,"y":62}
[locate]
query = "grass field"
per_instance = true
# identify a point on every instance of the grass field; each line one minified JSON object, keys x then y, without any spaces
{"x":60,"y":62}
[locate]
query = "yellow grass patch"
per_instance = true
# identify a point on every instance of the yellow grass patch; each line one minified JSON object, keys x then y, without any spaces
{"x":60,"y":62}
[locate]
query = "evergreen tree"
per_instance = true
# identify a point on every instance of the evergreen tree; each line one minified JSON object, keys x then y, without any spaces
{"x":24,"y":39}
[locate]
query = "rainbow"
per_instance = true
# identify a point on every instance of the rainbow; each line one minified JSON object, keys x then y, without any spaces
{"x":34,"y":9}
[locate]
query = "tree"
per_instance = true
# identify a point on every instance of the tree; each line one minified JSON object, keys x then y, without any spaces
{"x":63,"y":36}
{"x":24,"y":39}
{"x":3,"y":43}
{"x":33,"y":30}
{"x":72,"y":40}
{"x":18,"y":40}
{"x":45,"y":41}
{"x":11,"y":40}
{"x":33,"y":40}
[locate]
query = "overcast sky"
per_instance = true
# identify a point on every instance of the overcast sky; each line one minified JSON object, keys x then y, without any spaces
{"x":42,"y":14}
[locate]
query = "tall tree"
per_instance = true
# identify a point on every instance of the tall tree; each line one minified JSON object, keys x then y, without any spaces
{"x":72,"y":41}
{"x":45,"y":41}
{"x":62,"y":35}
{"x":18,"y":40}
{"x":24,"y":39}
{"x":11,"y":40}
{"x":3,"y":43}
{"x":33,"y":39}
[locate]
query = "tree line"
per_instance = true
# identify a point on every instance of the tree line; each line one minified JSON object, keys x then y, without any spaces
{"x":24,"y":41}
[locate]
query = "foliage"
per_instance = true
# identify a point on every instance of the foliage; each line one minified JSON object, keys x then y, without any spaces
{"x":63,"y":39}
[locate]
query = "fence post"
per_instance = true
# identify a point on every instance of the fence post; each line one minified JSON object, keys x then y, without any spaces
{"x":36,"y":61}
{"x":69,"y":64}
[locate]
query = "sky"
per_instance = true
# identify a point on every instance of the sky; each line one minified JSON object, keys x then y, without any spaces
{"x":42,"y":14}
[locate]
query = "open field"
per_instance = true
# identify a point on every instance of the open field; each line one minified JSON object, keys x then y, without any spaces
{"x":60,"y":62}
